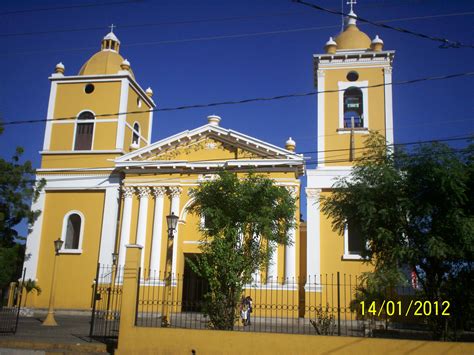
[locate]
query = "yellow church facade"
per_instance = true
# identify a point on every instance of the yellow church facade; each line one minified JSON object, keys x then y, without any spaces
{"x":108,"y":185}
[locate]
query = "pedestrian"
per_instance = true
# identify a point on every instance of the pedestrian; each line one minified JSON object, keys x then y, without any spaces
{"x":248,"y":302}
{"x":243,"y":311}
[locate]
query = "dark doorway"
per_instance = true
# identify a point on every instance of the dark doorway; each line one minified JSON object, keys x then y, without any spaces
{"x":194,"y":287}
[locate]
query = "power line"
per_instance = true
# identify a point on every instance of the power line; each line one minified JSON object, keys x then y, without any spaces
{"x":260,"y":99}
{"x":211,"y":38}
{"x":314,"y":161}
{"x":225,"y":19}
{"x":156,"y":24}
{"x":446,"y":43}
{"x":68,"y":7}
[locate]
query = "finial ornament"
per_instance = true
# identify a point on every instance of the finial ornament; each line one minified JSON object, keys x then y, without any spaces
{"x":112,"y":26}
{"x":352,"y":3}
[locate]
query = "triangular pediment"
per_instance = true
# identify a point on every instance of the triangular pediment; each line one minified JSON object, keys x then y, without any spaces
{"x":208,"y":143}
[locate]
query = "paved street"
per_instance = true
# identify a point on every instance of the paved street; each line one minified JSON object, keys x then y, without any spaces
{"x":70,"y":336}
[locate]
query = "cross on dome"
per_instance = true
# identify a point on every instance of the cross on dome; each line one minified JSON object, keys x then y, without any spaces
{"x":351,"y":2}
{"x":112,"y":26}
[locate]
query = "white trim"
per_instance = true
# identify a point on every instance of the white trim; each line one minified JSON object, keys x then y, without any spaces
{"x":49,"y":152}
{"x":62,"y":182}
{"x":324,"y":178}
{"x":105,"y":78}
{"x":157,"y":233}
{"x":140,"y":137}
{"x":196,"y":242}
{"x":96,"y":120}
{"x":124,"y":87}
{"x":175,"y":209}
{"x":343,"y":85}
{"x":347,"y":255}
{"x":125,"y":229}
{"x":313,"y":237}
{"x":77,"y":250}
{"x":50,"y":116}
{"x":33,"y":242}
{"x":321,"y":117}
{"x":109,"y":224}
{"x":150,"y":125}
{"x":75,"y":128}
{"x":388,"y":105}
{"x":227,"y":135}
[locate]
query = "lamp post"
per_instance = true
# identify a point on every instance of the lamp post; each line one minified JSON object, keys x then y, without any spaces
{"x":172,"y":222}
{"x":49,"y":320}
{"x":111,"y":314}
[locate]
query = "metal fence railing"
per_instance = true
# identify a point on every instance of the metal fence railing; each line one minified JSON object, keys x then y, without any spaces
{"x":106,"y":302}
{"x":10,"y":313}
{"x":331,"y":304}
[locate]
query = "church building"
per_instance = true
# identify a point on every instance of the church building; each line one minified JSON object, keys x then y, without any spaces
{"x":109,"y":185}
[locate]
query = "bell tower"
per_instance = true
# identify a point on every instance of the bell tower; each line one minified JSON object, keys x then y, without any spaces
{"x":354,"y":78}
{"x":90,"y":119}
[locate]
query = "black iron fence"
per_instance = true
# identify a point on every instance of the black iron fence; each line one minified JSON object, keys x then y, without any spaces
{"x":106,"y":302}
{"x":332,"y":304}
{"x":10,"y":313}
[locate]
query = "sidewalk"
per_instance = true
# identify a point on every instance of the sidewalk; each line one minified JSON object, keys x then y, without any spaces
{"x":70,"y":336}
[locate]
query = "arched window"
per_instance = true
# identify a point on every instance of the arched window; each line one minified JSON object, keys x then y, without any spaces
{"x":72,"y":231}
{"x":84,"y":131}
{"x":353,"y":108}
{"x":136,"y":134}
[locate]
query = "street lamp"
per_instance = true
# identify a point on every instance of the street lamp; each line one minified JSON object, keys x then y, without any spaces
{"x":172,"y":222}
{"x":49,"y":320}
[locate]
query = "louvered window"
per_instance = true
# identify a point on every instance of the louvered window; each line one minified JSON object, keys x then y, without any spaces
{"x":84,"y":131}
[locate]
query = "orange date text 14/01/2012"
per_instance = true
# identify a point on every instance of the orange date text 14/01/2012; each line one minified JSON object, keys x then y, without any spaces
{"x":417,"y":308}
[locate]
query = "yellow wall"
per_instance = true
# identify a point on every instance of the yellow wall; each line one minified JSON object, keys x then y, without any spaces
{"x":376,"y":113}
{"x":143,"y":119}
{"x":75,"y":272}
{"x":147,"y":340}
{"x":136,"y":340}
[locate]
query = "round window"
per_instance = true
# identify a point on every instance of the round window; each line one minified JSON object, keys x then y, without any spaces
{"x":352,"y":76}
{"x":89,"y":88}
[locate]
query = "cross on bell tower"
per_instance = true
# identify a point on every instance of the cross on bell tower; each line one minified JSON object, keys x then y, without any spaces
{"x":112,"y":26}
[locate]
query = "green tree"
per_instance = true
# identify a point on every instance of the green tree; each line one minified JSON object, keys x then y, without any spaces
{"x":413,"y":209}
{"x":17,"y":190}
{"x":245,"y":221}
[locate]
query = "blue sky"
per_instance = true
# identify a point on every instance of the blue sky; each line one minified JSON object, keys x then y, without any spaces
{"x":209,"y":70}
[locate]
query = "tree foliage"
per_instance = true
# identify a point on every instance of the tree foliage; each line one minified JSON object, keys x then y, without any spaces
{"x":17,"y":191}
{"x":245,"y":221}
{"x":414,"y":209}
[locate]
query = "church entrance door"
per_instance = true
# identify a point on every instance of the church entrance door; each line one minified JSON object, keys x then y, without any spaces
{"x":194,"y":287}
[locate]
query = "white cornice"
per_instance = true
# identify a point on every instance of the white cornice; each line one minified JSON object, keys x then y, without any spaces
{"x":217,"y":132}
{"x":76,"y":152}
{"x":105,"y":78}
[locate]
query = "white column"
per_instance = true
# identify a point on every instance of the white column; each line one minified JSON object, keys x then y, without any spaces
{"x":387,"y":74}
{"x":34,"y":239}
{"x":126,"y":222}
{"x":257,"y":273}
{"x":290,"y":248}
{"x":313,"y":241}
{"x":122,"y":118}
{"x":109,"y":225}
{"x":273,"y":266}
{"x":321,"y":116}
{"x":144,"y":193}
{"x":175,"y":193}
{"x":155,"y":258}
